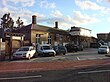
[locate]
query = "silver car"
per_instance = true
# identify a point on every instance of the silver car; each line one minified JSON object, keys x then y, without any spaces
{"x":103,"y":49}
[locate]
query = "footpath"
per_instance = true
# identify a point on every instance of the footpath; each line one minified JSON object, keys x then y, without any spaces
{"x":9,"y":66}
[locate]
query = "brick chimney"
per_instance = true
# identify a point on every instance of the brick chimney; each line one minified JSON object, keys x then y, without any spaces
{"x":34,"y":19}
{"x":56,"y":24}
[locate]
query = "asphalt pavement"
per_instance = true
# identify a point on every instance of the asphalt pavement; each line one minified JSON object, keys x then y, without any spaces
{"x":72,"y":67}
{"x":88,"y":74}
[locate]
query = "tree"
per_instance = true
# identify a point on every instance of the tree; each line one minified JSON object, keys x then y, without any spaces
{"x":19,"y":22}
{"x":7,"y":21}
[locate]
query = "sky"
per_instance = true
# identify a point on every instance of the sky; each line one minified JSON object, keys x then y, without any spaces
{"x":89,"y":14}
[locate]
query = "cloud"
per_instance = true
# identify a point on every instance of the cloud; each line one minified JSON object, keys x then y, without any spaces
{"x":24,"y":3}
{"x":86,"y":5}
{"x":81,"y":18}
{"x":11,"y":6}
{"x":108,"y":1}
{"x":56,"y":13}
{"x":24,"y":14}
{"x":99,"y":0}
{"x":76,"y":19}
{"x":46,"y":4}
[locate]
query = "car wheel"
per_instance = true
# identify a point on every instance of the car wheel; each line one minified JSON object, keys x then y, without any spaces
{"x":98,"y":52}
{"x":81,"y":49}
{"x":75,"y":50}
{"x":64,"y":53}
{"x":106,"y":52}
{"x":53,"y":54}
{"x":29,"y":57}
{"x":35,"y":55}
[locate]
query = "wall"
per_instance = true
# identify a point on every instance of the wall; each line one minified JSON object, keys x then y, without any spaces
{"x":84,"y":32}
{"x":2,"y":46}
{"x":81,"y":32}
{"x":44,"y":36}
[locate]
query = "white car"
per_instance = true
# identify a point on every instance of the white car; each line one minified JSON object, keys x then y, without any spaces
{"x":25,"y":52}
{"x":103,"y":49}
{"x":45,"y":50}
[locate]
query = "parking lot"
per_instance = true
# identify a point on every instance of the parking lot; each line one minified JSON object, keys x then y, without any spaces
{"x":86,"y":54}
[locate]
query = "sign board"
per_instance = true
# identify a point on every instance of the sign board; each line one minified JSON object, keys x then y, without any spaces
{"x":16,"y":37}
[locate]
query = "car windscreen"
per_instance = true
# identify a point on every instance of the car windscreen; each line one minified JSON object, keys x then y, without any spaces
{"x":103,"y":47}
{"x":46,"y":47}
{"x":23,"y":49}
{"x":61,"y":47}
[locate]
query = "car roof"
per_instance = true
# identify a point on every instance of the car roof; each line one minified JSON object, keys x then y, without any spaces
{"x":26,"y":46}
{"x":45,"y":45}
{"x":103,"y":46}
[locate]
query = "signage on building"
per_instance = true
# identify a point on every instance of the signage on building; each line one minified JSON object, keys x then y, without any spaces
{"x":16,"y":37}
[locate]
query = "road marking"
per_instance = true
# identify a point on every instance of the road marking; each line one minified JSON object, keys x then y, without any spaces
{"x":92,"y":58}
{"x":86,"y":72}
{"x":58,"y":58}
{"x":25,"y":77}
{"x":78,"y":58}
{"x":33,"y":59}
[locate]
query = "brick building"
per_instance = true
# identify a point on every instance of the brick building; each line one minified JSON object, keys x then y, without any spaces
{"x":35,"y":33}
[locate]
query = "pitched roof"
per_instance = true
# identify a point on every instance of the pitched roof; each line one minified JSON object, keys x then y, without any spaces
{"x":80,"y":28}
{"x":44,"y":29}
{"x":50,"y":29}
{"x":41,"y":28}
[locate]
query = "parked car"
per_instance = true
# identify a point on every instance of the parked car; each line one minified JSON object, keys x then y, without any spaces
{"x":25,"y":52}
{"x":103,"y":49}
{"x":60,"y":50}
{"x":71,"y":47}
{"x":80,"y":47}
{"x":45,"y":50}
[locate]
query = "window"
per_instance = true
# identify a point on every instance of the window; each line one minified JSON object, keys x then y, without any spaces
{"x":46,"y":47}
{"x":49,"y":39}
{"x":23,"y":49}
{"x":61,"y":39}
{"x":38,"y":38}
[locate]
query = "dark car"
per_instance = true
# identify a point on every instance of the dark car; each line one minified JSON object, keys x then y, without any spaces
{"x":60,"y":50}
{"x":80,"y":47}
{"x":71,"y":47}
{"x":74,"y":47}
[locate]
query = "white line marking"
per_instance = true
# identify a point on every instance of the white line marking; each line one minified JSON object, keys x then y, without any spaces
{"x":78,"y":58}
{"x":25,"y":77}
{"x":86,"y":72}
{"x":32,"y":59}
{"x":92,"y":58}
{"x":58,"y":58}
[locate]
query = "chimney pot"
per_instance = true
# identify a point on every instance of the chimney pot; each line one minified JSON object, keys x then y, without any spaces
{"x":34,"y":19}
{"x":56,"y":24}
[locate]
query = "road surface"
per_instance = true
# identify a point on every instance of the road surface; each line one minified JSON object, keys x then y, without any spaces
{"x":91,"y":74}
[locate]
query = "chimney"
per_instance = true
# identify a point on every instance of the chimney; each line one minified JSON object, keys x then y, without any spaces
{"x":56,"y":24}
{"x":34,"y":19}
